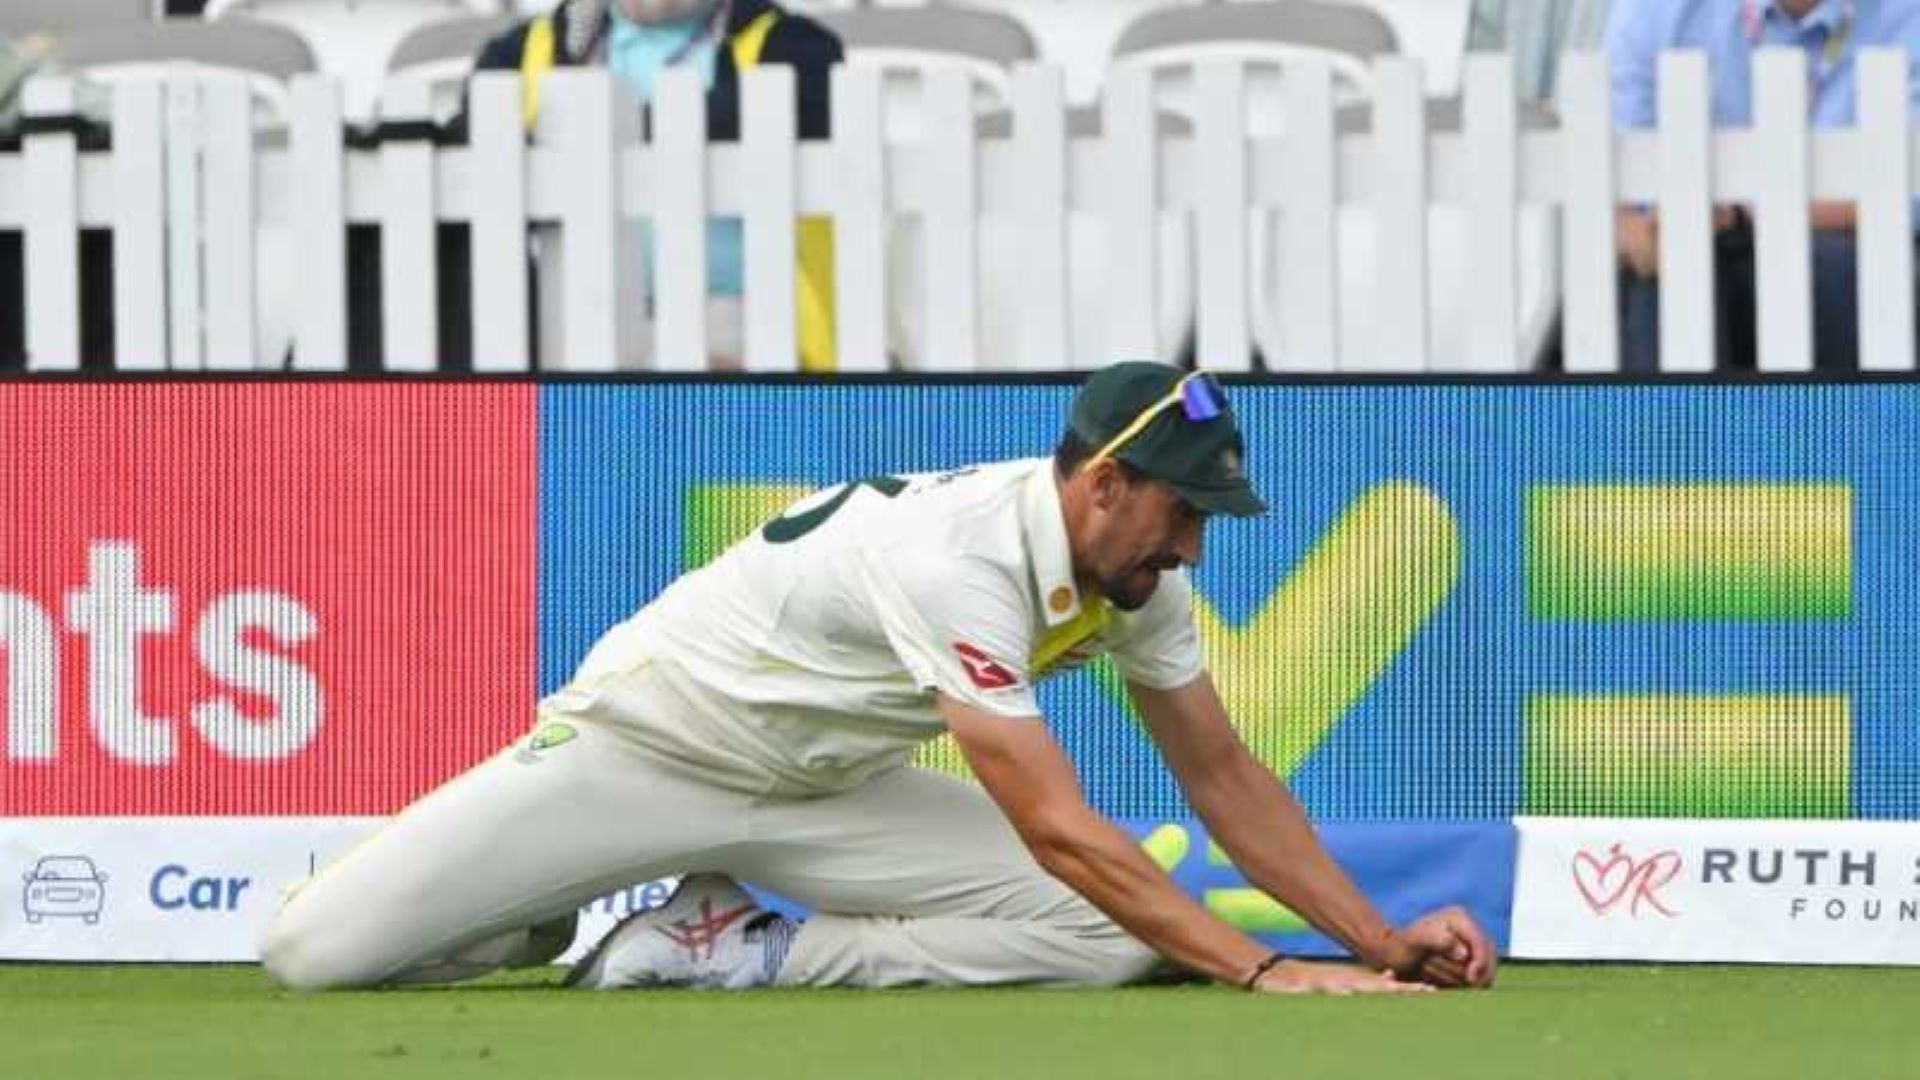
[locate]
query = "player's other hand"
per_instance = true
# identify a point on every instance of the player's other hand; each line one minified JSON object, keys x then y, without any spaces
{"x":1302,"y":977}
{"x":1447,"y":949}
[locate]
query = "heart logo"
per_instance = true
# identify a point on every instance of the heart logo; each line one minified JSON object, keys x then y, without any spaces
{"x":1604,"y":882}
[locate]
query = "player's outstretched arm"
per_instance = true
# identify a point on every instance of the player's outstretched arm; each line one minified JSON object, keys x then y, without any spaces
{"x":1260,"y":825}
{"x":1030,"y":777}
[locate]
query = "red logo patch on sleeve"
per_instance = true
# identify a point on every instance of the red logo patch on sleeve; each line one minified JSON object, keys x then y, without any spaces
{"x":986,"y":672}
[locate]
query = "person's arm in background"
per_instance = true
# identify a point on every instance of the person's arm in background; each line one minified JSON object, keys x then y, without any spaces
{"x":1632,"y":41}
{"x":500,"y":53}
{"x":1903,"y":34}
{"x":813,"y":52}
{"x":1831,"y":215}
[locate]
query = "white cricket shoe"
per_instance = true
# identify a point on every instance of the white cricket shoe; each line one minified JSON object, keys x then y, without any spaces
{"x":709,"y":936}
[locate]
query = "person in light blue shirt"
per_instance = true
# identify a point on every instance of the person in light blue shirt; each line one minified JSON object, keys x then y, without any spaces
{"x":1831,"y":33}
{"x":680,"y":35}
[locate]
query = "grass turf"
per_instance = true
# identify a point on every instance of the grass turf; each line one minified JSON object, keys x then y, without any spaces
{"x":1545,"y":1021}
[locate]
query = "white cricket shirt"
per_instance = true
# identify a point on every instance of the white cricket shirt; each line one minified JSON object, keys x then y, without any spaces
{"x":806,"y":657}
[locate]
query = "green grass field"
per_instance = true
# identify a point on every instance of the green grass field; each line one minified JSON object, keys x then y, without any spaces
{"x":1548,"y":1022}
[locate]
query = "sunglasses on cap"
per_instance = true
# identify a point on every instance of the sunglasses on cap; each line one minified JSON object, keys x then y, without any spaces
{"x":1199,"y":396}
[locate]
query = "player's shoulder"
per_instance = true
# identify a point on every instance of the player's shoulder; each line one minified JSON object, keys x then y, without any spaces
{"x":976,"y":504}
{"x":963,"y":522}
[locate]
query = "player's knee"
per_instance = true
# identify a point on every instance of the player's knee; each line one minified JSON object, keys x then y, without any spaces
{"x":285,"y":953}
{"x":291,"y":958}
{"x":296,"y":954}
{"x":1120,"y":960}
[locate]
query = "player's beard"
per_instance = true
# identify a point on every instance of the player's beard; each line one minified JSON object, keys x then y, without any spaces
{"x":1131,"y":591}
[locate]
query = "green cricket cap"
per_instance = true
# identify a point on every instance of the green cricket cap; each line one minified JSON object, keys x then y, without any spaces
{"x":1192,"y":442}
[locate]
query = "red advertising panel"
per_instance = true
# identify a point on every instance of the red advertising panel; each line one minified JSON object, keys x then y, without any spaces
{"x":253,"y":598}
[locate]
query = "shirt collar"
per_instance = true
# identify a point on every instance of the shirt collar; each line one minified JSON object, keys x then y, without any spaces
{"x":1045,"y":526}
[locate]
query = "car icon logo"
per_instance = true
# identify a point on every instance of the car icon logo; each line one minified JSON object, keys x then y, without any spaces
{"x":64,"y":887}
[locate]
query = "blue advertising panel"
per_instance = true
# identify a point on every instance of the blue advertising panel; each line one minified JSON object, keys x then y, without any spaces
{"x":1468,"y":603}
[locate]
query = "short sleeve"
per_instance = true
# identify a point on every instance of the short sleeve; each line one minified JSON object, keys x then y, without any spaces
{"x":1158,"y":646}
{"x":959,"y":625}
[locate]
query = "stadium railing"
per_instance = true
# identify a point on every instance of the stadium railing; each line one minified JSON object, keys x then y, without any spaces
{"x":188,"y":185}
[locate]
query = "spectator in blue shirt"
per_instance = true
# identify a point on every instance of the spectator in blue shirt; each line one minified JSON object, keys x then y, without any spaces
{"x":1831,"y":33}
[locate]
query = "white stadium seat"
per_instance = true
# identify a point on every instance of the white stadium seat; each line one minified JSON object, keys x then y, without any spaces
{"x":443,"y":53}
{"x":1450,"y":282}
{"x":1434,"y":31}
{"x":353,"y":39}
{"x":20,"y":18}
{"x":266,"y":56}
{"x":908,"y":42}
{"x":240,"y":44}
{"x":1265,"y":38}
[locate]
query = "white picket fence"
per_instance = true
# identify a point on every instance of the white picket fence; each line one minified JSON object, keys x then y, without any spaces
{"x":1040,"y":250}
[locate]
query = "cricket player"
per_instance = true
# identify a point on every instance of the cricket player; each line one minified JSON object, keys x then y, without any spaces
{"x":753,"y":724}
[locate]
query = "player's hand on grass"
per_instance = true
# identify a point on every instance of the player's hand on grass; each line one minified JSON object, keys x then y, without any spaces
{"x":1448,"y":949}
{"x":1302,"y":977}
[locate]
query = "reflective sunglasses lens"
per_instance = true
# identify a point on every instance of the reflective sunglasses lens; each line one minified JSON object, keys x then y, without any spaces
{"x":1202,"y":399}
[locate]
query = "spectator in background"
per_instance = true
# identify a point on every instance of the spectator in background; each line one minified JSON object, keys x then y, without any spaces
{"x":637,"y":39}
{"x":1831,"y":33}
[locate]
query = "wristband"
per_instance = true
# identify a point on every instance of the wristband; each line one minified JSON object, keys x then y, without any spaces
{"x":1262,"y":968}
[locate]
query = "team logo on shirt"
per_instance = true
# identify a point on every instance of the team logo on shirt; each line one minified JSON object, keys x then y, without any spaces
{"x":546,"y":738}
{"x":985,"y":672}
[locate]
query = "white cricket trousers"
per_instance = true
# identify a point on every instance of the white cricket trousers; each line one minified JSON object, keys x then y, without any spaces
{"x":915,"y":878}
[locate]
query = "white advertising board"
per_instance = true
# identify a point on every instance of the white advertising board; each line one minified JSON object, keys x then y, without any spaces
{"x":184,"y":889}
{"x":1808,"y":892}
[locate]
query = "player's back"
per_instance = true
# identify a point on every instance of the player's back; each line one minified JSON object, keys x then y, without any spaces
{"x":778,"y":653}
{"x":795,"y":590}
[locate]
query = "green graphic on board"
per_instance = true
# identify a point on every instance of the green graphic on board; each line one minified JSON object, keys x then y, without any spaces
{"x":1350,"y":608}
{"x":1693,"y":551}
{"x":1167,"y":846}
{"x":1756,"y":552}
{"x":1689,"y":755}
{"x":1248,"y":909}
{"x":718,"y":515}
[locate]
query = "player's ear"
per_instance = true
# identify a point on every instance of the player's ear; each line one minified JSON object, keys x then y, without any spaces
{"x":1107,"y":482}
